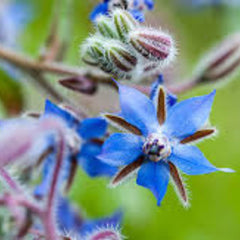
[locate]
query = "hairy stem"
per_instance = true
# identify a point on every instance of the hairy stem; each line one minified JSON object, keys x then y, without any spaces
{"x":9,"y":180}
{"x":49,"y":222}
{"x":27,"y":63}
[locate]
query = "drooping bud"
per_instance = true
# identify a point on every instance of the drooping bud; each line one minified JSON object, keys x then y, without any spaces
{"x":106,"y":27}
{"x":153,"y":44}
{"x":121,"y":59}
{"x":105,"y":234}
{"x":124,"y":23}
{"x":79,"y":84}
{"x":221,"y":62}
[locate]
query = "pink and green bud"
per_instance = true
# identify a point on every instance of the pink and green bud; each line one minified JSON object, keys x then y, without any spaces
{"x":105,"y":27}
{"x":221,"y":62}
{"x":124,"y":23}
{"x":153,"y":44}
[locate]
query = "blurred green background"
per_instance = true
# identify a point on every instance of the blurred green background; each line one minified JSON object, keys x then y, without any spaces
{"x":215,"y":199}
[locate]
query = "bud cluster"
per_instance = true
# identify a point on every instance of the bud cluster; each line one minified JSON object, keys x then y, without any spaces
{"x":125,"y":49}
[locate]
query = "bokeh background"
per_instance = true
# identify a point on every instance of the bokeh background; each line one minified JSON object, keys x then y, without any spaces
{"x":215,"y":199}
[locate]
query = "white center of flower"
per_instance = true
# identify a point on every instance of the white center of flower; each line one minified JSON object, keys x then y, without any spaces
{"x":157,"y":147}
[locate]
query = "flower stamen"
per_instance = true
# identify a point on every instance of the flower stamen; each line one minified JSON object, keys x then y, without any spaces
{"x":157,"y":147}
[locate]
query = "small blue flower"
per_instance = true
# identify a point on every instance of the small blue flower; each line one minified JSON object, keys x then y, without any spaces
{"x":159,"y":138}
{"x":135,"y":7}
{"x":89,"y":132}
{"x":70,"y":220}
{"x":13,"y":18}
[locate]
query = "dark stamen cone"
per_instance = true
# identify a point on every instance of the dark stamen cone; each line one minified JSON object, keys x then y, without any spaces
{"x":198,"y":135}
{"x":126,"y":171}
{"x":122,"y":123}
{"x":177,"y":180}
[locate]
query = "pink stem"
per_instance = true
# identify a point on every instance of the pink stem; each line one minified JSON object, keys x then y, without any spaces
{"x":9,"y":180}
{"x":50,"y":228}
{"x":178,"y":89}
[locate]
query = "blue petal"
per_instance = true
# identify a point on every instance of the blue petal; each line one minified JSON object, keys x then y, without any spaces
{"x":91,"y":164}
{"x":51,"y":108}
{"x":68,"y":219}
{"x":101,"y":8}
{"x":186,"y":117}
{"x":154,"y":176}
{"x":171,"y":98}
{"x":138,"y":15}
{"x":137,"y":109}
{"x":121,"y":149}
{"x":149,"y":4}
{"x":113,"y":221}
{"x":48,"y":167}
{"x":191,"y":160}
{"x":92,"y":128}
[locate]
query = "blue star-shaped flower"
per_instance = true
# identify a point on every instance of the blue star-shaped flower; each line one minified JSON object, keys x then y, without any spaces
{"x":159,"y":139}
{"x":135,"y":7}
{"x":70,"y":220}
{"x":90,"y":132}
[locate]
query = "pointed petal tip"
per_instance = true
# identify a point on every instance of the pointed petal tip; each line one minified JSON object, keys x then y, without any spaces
{"x":227,"y":170}
{"x":159,"y":202}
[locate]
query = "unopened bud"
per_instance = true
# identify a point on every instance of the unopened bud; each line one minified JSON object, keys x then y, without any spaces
{"x":106,"y":27}
{"x":124,"y":23}
{"x":121,"y":59}
{"x":153,"y":44}
{"x":79,"y":84}
{"x":105,"y":234}
{"x":222,"y":61}
{"x":92,"y":50}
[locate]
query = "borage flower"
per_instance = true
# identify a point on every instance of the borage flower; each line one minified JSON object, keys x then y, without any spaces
{"x":135,"y":7}
{"x":84,"y":144}
{"x":159,"y":141}
{"x":70,"y":221}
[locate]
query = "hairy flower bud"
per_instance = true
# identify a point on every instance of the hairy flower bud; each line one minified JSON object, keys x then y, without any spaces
{"x":121,"y":59}
{"x":153,"y":44}
{"x":93,"y":50}
{"x":124,"y":23}
{"x":221,"y":62}
{"x":105,"y":234}
{"x":106,"y":27}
